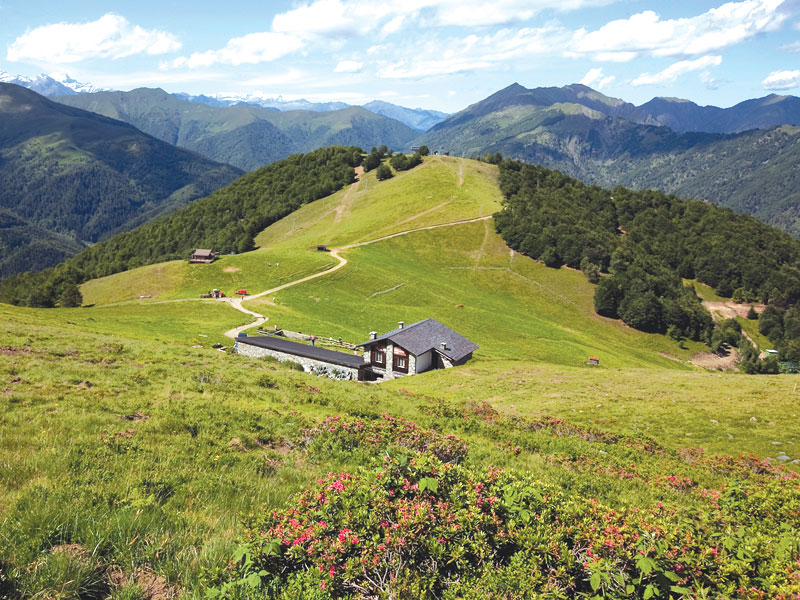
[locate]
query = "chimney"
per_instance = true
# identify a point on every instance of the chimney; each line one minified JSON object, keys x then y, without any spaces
{"x":443,"y":345}
{"x":400,"y":324}
{"x":373,"y":335}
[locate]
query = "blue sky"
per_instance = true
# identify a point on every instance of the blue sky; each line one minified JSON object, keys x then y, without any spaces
{"x":440,"y":54}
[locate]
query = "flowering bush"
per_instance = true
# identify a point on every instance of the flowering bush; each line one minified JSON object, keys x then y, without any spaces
{"x":335,"y":433}
{"x":420,"y":528}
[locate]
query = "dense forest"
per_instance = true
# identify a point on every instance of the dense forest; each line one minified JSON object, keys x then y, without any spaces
{"x":226,"y":221}
{"x":648,"y":243}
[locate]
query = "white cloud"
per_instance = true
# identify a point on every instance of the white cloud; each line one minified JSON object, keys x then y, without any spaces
{"x":793,"y":47}
{"x":675,"y":70}
{"x":251,"y":49}
{"x":110,"y":36}
{"x":348,"y":66}
{"x":781,"y":80}
{"x":595,"y":78}
{"x":647,"y":34}
{"x":474,"y":52}
{"x":361,"y":17}
{"x":710,"y":81}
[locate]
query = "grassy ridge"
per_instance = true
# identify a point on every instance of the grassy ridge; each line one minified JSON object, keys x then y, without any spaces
{"x":513,"y":307}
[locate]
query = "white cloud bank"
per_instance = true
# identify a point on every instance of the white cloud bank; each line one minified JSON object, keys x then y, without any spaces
{"x":250,"y":49}
{"x":474,"y":52}
{"x":675,"y":70}
{"x":360,"y":17}
{"x":595,"y":78}
{"x":646,"y":34}
{"x":781,"y":80}
{"x":111,"y":36}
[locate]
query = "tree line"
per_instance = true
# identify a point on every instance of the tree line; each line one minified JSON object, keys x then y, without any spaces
{"x":647,"y":243}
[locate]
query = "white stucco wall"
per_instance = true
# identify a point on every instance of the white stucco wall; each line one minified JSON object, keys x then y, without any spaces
{"x":424,"y":362}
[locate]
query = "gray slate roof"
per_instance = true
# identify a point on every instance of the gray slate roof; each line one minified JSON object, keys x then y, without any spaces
{"x":422,"y":336}
{"x":322,"y":354}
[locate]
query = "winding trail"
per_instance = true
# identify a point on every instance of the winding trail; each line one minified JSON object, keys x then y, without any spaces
{"x":335,"y":252}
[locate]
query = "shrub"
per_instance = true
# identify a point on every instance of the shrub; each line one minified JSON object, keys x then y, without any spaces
{"x":420,"y":528}
{"x":383,"y":172}
{"x":334,"y":433}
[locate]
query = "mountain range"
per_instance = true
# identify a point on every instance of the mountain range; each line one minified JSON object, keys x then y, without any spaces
{"x":609,"y":142}
{"x":71,"y":177}
{"x":245,"y":136}
{"x":61,"y":84}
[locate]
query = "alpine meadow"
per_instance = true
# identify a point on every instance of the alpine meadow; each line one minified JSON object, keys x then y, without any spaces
{"x":308,"y":301}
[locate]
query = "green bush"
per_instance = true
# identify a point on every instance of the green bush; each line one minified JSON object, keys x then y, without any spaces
{"x":383,"y":172}
{"x":445,"y":531}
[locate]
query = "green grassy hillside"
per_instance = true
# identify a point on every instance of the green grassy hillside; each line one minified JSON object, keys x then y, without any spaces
{"x":130,"y":459}
{"x":253,"y":271}
{"x":512,"y":306}
{"x":136,"y":461}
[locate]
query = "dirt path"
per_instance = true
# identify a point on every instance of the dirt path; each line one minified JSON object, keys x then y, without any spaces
{"x":482,"y":251}
{"x":423,"y":213}
{"x":346,"y":205}
{"x":260,"y":319}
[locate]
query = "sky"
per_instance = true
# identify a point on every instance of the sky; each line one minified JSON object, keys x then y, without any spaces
{"x":435,"y":54}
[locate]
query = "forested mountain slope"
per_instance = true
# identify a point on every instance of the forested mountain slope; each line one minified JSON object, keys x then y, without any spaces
{"x":24,"y":246}
{"x":246,"y":136}
{"x":80,"y":175}
{"x":648,"y":243}
{"x":226,"y":221}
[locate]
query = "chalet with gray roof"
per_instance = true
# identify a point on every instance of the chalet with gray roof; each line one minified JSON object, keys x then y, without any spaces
{"x":416,"y":348}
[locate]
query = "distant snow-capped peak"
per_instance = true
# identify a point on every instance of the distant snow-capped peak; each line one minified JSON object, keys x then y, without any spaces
{"x":76,"y":86}
{"x":56,"y":84}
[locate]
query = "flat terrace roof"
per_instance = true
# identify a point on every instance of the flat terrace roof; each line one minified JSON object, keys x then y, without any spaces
{"x":280,"y":344}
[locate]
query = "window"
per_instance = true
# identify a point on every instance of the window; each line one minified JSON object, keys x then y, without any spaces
{"x":379,"y":357}
{"x":400,"y":362}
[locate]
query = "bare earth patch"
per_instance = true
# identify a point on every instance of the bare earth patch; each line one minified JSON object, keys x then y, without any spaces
{"x":731,"y":310}
{"x":153,"y":587}
{"x":723,"y":360}
{"x":231,"y":270}
{"x":11,"y":351}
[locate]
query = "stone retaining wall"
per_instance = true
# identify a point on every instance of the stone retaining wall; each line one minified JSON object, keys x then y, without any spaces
{"x":310,"y":365}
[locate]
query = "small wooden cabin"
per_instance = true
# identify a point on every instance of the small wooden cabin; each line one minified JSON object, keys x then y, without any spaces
{"x":201,"y":255}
